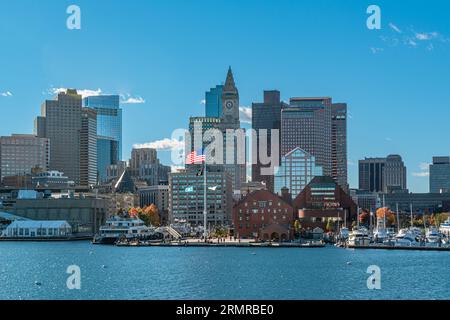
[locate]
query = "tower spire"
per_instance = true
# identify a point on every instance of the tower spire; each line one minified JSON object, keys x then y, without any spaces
{"x":229,"y":83}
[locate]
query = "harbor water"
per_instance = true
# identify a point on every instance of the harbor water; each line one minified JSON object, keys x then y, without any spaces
{"x":38,"y":271}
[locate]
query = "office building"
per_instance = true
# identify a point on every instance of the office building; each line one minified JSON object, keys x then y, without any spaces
{"x":213,"y":102}
{"x":307,"y":124}
{"x":266,"y":116}
{"x":157,"y":195}
{"x":339,"y":163}
{"x":324,"y":200}
{"x":394,"y":175}
{"x":68,"y":126}
{"x":263,"y":215}
{"x":234,"y":147}
{"x":440,"y":175}
{"x":382,"y":174}
{"x":186,"y":197}
{"x":145,"y":166}
{"x":51,"y":180}
{"x":109,"y":130}
{"x":88,"y":147}
{"x":107,"y":155}
{"x":20,"y":154}
{"x":297,"y":169}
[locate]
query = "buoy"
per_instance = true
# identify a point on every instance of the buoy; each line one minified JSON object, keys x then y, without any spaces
{"x":38,"y":283}
{"x":104,"y":267}
{"x":349,"y":263}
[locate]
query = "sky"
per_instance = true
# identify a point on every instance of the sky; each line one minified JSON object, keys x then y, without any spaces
{"x":161,"y":57}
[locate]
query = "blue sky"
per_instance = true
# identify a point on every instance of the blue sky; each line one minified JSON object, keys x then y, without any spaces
{"x":168,"y":53}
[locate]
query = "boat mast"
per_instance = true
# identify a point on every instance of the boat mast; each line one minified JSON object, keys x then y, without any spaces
{"x":398,"y":220}
{"x":411,"y":212}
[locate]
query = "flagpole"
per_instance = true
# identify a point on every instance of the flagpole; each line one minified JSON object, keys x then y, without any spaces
{"x":205,"y":220}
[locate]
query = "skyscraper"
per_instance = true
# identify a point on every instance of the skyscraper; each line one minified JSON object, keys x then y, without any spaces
{"x":440,"y":175}
{"x":266,"y":116}
{"x":213,"y":102}
{"x":109,"y":130}
{"x":382,"y":174}
{"x":228,"y":122}
{"x":20,"y":153}
{"x":145,"y":166}
{"x":61,"y":122}
{"x":88,"y":147}
{"x":339,"y":144}
{"x":307,"y":124}
{"x":394,"y":174}
{"x":297,"y":169}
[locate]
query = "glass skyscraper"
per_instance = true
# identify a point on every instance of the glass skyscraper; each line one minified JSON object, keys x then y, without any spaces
{"x":213,"y":102}
{"x":297,"y":169}
{"x":109,"y":130}
{"x":440,"y":175}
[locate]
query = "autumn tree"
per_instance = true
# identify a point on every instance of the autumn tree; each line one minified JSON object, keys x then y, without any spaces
{"x":150,"y":216}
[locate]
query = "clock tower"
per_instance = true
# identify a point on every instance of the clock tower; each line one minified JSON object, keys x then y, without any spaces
{"x":230,"y":102}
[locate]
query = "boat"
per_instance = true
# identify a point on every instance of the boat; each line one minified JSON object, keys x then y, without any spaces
{"x":445,"y":228}
{"x":359,"y":237}
{"x":123,"y":228}
{"x":344,"y":234}
{"x":433,"y":236}
{"x":381,"y":233}
{"x":406,"y":238}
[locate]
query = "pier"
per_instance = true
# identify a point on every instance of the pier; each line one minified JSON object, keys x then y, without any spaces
{"x":225,"y":244}
{"x":410,"y":248}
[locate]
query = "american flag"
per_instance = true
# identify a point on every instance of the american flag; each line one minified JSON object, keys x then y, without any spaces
{"x":196,"y":157}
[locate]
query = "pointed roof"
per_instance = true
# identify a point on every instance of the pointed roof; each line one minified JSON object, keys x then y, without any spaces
{"x":229,"y":83}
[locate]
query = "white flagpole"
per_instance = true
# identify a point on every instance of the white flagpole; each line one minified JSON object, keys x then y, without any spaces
{"x":205,"y":211}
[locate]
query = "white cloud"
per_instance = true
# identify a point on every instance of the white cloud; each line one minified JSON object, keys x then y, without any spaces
{"x":424,"y":170}
{"x":376,"y":50}
{"x":133,"y":100}
{"x":125,"y":98}
{"x":395,"y":28}
{"x":161,"y":145}
{"x":424,"y":36}
{"x":388,"y":139}
{"x":245,"y":114}
{"x":421,"y":174}
{"x":175,"y":169}
{"x":424,"y":166}
{"x":6,"y":94}
{"x":83,"y":92}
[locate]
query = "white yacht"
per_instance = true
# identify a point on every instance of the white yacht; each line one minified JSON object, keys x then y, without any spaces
{"x":118,"y":227}
{"x":406,"y":238}
{"x":359,"y":237}
{"x":381,"y":233}
{"x":445,"y":228}
{"x":433,"y":236}
{"x":344,"y":234}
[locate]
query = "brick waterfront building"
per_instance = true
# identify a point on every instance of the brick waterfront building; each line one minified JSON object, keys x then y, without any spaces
{"x":321,"y":200}
{"x":264,"y":215}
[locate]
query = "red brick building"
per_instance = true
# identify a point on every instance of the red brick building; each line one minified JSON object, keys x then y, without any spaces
{"x":321,"y":200}
{"x":264,"y":215}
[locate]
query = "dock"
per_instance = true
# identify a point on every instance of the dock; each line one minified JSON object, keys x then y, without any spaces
{"x":410,"y":248}
{"x":222,"y":245}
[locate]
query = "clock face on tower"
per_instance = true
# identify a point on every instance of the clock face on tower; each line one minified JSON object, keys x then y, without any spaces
{"x":229,"y":104}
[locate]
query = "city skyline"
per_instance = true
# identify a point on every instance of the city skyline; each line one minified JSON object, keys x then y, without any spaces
{"x":354,"y":70}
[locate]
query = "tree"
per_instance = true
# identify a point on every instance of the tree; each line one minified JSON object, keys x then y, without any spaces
{"x":364,"y":218}
{"x":297,"y":225}
{"x":385,"y":213}
{"x":330,"y":225}
{"x":150,"y":216}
